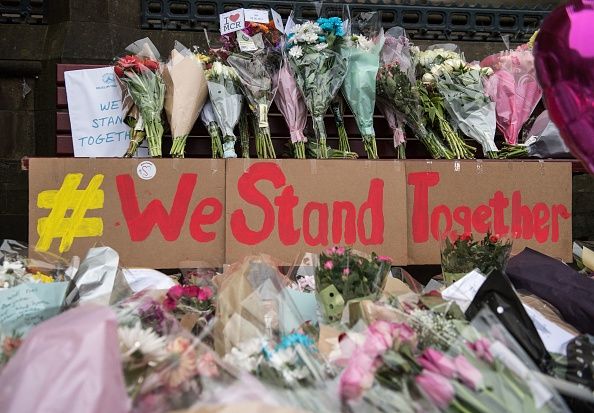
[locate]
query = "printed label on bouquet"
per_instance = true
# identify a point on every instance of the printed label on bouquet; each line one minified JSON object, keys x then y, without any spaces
{"x":263,"y":115}
{"x":176,"y":216}
{"x":246,"y":44}
{"x":284,"y":208}
{"x":278,"y":21}
{"x":232,"y":21}
{"x":256,"y":16}
{"x":529,"y":202}
{"x":96,"y":113}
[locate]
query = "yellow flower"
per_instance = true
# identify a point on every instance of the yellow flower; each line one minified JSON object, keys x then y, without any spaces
{"x":42,"y":278}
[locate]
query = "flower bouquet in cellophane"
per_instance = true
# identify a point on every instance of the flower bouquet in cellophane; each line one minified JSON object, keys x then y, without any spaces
{"x":186,"y":91}
{"x":362,"y":49}
{"x":140,"y":71}
{"x":318,"y":67}
{"x":398,"y":94}
{"x":254,"y":53}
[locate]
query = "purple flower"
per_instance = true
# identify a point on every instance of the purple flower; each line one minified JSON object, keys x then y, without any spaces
{"x":437,"y":388}
{"x":437,"y":362}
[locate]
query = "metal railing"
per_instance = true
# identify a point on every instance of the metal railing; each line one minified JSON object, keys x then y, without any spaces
{"x":425,"y":22}
{"x":23,"y":11}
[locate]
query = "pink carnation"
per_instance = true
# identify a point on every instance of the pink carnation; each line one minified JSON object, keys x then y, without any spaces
{"x":329,"y":265}
{"x":205,"y":294}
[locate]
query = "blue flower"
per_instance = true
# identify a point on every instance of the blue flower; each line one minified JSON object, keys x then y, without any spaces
{"x":321,"y":39}
{"x":294,"y":339}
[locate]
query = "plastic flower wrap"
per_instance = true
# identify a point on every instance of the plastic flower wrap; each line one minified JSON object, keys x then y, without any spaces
{"x":396,"y":122}
{"x":226,"y":99}
{"x":318,"y":68}
{"x":140,"y":71}
{"x":362,"y":50}
{"x":290,"y":103}
{"x":343,"y":276}
{"x":514,"y":89}
{"x":396,"y":89}
{"x":209,"y":118}
{"x":461,"y":87}
{"x":185,"y":94}
{"x":257,"y":67}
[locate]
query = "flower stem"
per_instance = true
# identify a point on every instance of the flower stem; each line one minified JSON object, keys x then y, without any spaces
{"x":343,"y":138}
{"x":299,"y":150}
{"x":244,"y":134}
{"x":178,"y":148}
{"x":137,"y":138}
{"x":401,"y":151}
{"x":320,"y":131}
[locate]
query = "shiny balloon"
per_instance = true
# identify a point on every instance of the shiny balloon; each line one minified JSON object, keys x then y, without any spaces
{"x":564,"y":59}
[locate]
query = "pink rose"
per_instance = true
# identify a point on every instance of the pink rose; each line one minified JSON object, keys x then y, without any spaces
{"x":437,"y":362}
{"x":436,"y":388}
{"x":379,"y":337}
{"x":169,"y":304}
{"x":404,"y":334}
{"x":481,"y":348}
{"x":205,"y":294}
{"x":467,"y":373}
{"x":175,"y":292}
{"x":340,"y":250}
{"x":329,"y":265}
{"x":358,"y":376}
{"x":383,"y":258}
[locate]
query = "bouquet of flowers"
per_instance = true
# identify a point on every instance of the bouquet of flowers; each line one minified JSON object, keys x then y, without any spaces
{"x":337,"y":108}
{"x":396,"y":89}
{"x":461,"y":87}
{"x":141,"y":73}
{"x":343,"y":276}
{"x":257,"y":67}
{"x":226,"y":100}
{"x":192,"y":305}
{"x":290,"y":103}
{"x":318,"y":68}
{"x":514,"y":89}
{"x":464,"y":254}
{"x":133,"y":119}
{"x":185,"y":94}
{"x":362,"y":50}
{"x":209,"y":119}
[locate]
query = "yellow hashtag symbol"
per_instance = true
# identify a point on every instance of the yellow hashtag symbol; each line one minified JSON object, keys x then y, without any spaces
{"x":68,"y":197}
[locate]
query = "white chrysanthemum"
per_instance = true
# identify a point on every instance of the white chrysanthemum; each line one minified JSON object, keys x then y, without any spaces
{"x":13,"y":267}
{"x":142,"y":341}
{"x":364,"y":43}
{"x":217,"y":68}
{"x":307,"y":32}
{"x":280,"y":358}
{"x":321,"y":46}
{"x":296,"y":52}
{"x":241,"y":360}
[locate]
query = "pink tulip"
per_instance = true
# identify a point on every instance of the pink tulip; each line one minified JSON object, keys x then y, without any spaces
{"x":467,"y":373}
{"x":437,"y":362}
{"x":437,"y":388}
{"x":481,"y":349}
{"x":379,"y":337}
{"x":358,"y":376}
{"x":404,"y":334}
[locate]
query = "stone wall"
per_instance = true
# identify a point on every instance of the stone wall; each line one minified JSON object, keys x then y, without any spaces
{"x":94,"y":31}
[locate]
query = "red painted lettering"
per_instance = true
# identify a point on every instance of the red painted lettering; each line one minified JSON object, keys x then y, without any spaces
{"x":499,"y":203}
{"x":479,"y":219}
{"x":463,"y":216}
{"x":350,"y":235}
{"x":558,"y":211}
{"x":436,"y":230}
{"x":420,"y":210}
{"x":286,"y":202}
{"x":375,"y":205}
{"x":522,"y":225}
{"x":321,"y":238}
{"x":200,"y":218}
{"x":140,"y":224}
{"x":246,"y":187}
{"x":541,"y":215}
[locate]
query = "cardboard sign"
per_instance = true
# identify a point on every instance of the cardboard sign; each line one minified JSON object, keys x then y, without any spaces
{"x":155,"y":213}
{"x":231,"y":21}
{"x":528,"y":200}
{"x":96,"y":114}
{"x":287,"y":207}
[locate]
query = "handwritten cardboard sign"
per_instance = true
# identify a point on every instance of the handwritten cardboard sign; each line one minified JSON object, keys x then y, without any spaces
{"x":96,"y":113}
{"x":161,"y":212}
{"x":155,"y":213}
{"x":284,"y":208}
{"x":529,"y":201}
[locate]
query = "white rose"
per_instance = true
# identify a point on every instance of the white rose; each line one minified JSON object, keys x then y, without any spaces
{"x":428,"y":78}
{"x":487,"y":71}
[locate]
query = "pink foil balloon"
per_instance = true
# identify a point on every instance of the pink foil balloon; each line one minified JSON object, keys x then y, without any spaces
{"x":564,"y":59}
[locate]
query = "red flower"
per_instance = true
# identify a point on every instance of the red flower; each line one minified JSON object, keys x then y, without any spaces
{"x":169,"y":304}
{"x":465,"y":237}
{"x":119,"y":71}
{"x":191,"y":291}
{"x":152,"y":65}
{"x":205,"y":294}
{"x":175,"y":292}
{"x":494,"y":239}
{"x":128,"y":62}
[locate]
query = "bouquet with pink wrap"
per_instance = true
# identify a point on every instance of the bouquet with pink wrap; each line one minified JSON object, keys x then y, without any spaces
{"x":70,"y":363}
{"x":514,"y":89}
{"x":291,"y":104}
